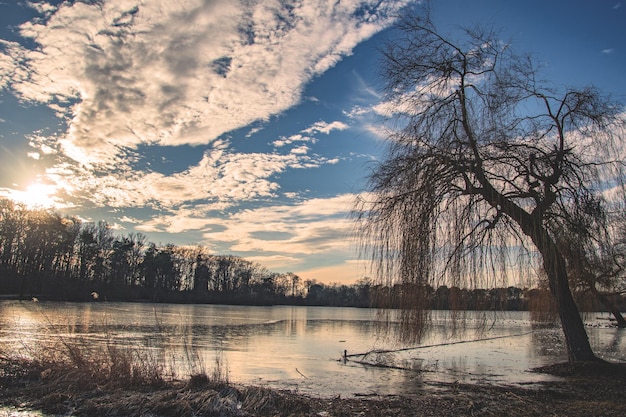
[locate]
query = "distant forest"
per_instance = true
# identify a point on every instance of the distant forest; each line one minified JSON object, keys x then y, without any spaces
{"x":53,"y":257}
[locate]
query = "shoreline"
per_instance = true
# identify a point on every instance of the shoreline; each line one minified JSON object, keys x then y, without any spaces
{"x":586,"y":389}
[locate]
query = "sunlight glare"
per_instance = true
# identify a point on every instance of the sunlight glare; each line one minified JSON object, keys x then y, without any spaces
{"x":37,"y":195}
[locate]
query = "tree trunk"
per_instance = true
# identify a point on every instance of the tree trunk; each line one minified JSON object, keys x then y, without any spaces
{"x":576,"y":339}
{"x":578,"y":347}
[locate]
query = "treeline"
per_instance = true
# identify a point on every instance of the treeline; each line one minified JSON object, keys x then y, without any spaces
{"x":44,"y":254}
{"x":49,"y":256}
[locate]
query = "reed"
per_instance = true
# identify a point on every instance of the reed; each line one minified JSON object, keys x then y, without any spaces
{"x":105,"y":362}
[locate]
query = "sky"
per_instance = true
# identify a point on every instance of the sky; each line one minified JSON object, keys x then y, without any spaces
{"x":246,"y":126}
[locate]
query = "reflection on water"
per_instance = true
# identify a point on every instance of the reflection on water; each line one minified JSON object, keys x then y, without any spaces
{"x":301,"y":347}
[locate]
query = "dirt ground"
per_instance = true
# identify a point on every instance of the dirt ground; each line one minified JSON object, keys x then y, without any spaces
{"x":587,"y":389}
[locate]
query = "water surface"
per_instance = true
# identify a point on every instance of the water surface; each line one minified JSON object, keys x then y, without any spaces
{"x":301,"y":348}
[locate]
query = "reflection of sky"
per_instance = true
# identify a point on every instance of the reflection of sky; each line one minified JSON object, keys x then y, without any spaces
{"x":300,"y":347}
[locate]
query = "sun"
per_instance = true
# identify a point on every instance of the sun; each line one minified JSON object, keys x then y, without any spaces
{"x":37,"y":195}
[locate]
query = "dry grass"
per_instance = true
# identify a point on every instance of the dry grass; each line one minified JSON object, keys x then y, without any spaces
{"x":107,"y":362}
{"x":87,"y":366}
{"x":75,"y":378}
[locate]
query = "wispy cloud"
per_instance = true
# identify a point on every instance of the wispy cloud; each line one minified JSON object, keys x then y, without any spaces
{"x":308,"y":134}
{"x":314,"y":226}
{"x":277,"y":262}
{"x":283,"y":141}
{"x":324,"y":127}
{"x":371,"y":119}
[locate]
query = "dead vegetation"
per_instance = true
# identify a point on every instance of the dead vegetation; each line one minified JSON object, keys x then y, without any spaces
{"x":73,"y":379}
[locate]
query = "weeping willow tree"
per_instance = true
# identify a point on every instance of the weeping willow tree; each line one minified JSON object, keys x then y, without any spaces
{"x":485,"y":165}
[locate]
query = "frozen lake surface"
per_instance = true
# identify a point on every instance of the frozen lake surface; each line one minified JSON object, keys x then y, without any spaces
{"x":301,"y":348}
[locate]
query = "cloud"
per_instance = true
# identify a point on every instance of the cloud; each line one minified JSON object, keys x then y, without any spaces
{"x":36,"y":195}
{"x":221,"y":176}
{"x":280,"y":237}
{"x":371,"y":119}
{"x":128,"y":219}
{"x":313,"y":226}
{"x":183,"y":220}
{"x":324,"y":127}
{"x":347,"y":272}
{"x":607,"y":51}
{"x":283,"y":141}
{"x":11,"y":57}
{"x":308,"y":135}
{"x":378,"y":131}
{"x":161,"y":72}
{"x":117,"y":227}
{"x":300,"y":150}
{"x":276,"y":262}
{"x":357,"y":111}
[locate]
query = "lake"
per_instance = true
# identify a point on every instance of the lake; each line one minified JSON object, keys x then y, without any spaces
{"x":301,"y":348}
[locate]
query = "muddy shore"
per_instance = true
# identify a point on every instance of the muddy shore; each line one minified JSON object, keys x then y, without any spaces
{"x":586,"y":389}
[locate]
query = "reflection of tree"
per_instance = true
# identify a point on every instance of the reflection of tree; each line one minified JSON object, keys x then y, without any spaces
{"x":616,"y":343}
{"x":547,"y":342}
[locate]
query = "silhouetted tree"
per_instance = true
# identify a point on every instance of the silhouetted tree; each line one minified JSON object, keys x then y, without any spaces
{"x":86,"y":252}
{"x":484,"y":168}
{"x":159,"y":272}
{"x":201,"y":276}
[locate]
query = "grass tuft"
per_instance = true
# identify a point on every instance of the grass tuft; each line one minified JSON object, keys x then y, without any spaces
{"x":86,"y":365}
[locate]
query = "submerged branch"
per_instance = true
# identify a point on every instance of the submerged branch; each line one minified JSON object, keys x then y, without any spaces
{"x":458,"y":342}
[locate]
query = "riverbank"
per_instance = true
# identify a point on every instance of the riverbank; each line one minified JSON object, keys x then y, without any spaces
{"x":61,"y":389}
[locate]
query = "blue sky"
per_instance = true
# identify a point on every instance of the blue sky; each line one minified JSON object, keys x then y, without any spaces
{"x":245,"y":126}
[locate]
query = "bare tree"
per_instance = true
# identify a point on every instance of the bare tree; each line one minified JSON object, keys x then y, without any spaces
{"x":485,"y":164}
